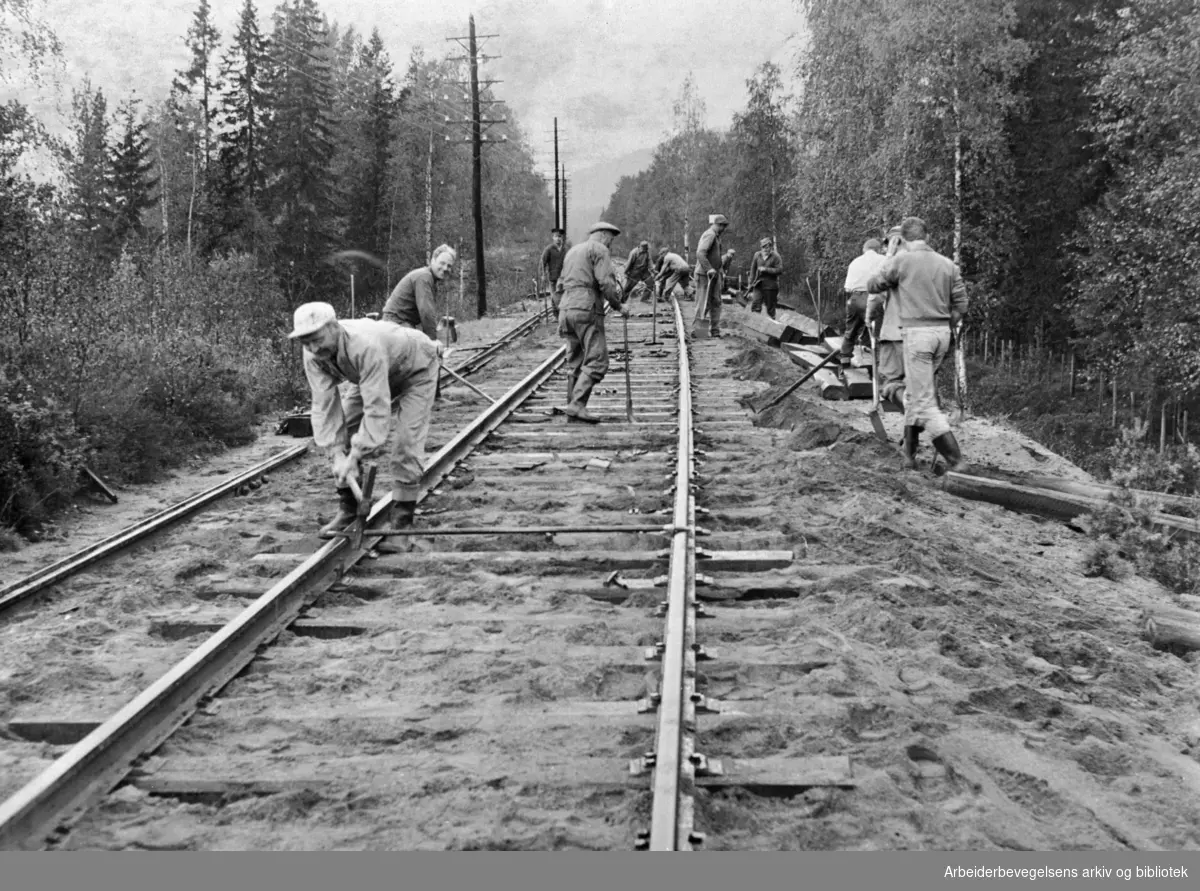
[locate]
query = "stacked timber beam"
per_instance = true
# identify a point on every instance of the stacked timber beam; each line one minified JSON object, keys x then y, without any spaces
{"x":1067,"y":499}
{"x":807,"y":343}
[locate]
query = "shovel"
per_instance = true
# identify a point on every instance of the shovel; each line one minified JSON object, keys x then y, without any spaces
{"x":873,"y":414}
{"x":960,"y":378}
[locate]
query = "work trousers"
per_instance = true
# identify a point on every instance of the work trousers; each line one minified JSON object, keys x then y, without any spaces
{"x":710,"y":306}
{"x":889,"y":365}
{"x":856,"y":323}
{"x":587,"y":348}
{"x":682,"y":279}
{"x":925,"y":349}
{"x":632,"y":282}
{"x":412,"y":409}
{"x":765,"y":297}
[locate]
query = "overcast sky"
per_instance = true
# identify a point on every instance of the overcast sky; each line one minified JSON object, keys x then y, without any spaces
{"x":608,"y":69}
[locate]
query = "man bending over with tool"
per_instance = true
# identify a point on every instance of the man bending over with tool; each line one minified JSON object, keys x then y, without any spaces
{"x":587,"y":282}
{"x":392,"y":371}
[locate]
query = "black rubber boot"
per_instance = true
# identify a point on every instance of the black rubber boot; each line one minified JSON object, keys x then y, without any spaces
{"x":947,"y":447}
{"x":912,"y":436}
{"x":577,"y":411}
{"x":399,"y":516}
{"x":347,"y":511}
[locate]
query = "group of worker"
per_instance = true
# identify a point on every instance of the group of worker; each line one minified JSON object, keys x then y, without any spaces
{"x":909,"y":300}
{"x":365,"y":373}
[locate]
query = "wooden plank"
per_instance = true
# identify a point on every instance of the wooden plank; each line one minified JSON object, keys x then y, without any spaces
{"x":830,"y":385}
{"x":801,"y":328}
{"x":1046,"y":502}
{"x":858,"y":384}
{"x":763,"y":329}
{"x":1170,"y":628}
{"x":724,"y":561}
{"x":99,"y":485}
{"x":762,"y":775}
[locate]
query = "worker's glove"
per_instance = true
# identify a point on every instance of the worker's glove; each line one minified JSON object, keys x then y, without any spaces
{"x":344,"y":468}
{"x":712,"y":273}
{"x":446,"y":353}
{"x":625,"y":310}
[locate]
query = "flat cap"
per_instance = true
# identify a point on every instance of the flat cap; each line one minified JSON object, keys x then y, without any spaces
{"x":895,"y":230}
{"x":557,"y":231}
{"x":719,"y":218}
{"x":604,"y":227}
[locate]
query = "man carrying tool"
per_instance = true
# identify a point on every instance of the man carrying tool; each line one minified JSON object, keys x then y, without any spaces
{"x":932,"y":301}
{"x":637,"y":271}
{"x":413,"y":302}
{"x":587,"y":282}
{"x":858,"y":274}
{"x":392,"y":373}
{"x":889,"y":352}
{"x":672,"y":270}
{"x":551,"y":263}
{"x":765,"y":268}
{"x":708,"y":274}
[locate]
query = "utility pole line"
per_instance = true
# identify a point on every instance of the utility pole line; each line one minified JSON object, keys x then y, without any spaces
{"x":557,"y":217}
{"x":477,"y":138}
{"x":564,"y":198}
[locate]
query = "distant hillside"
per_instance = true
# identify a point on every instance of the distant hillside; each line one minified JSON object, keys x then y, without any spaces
{"x":592,"y":187}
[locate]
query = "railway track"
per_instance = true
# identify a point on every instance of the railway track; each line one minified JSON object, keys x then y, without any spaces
{"x":21,"y":590}
{"x":530,"y":670}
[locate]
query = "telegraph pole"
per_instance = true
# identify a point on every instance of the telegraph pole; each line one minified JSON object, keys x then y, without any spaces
{"x":557,"y":217}
{"x":477,"y":180}
{"x":564,"y":198}
{"x":477,"y":139}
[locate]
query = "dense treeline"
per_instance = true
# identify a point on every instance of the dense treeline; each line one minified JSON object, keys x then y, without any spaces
{"x":1051,"y":145}
{"x":144,"y":292}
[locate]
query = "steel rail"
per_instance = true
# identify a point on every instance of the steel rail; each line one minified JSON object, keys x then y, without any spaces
{"x":482,"y":358}
{"x":28,"y":586}
{"x":671,"y":815}
{"x":97,"y":763}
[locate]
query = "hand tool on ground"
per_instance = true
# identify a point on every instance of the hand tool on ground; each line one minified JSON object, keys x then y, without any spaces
{"x":628,"y":385}
{"x":462,"y":380}
{"x":833,"y":355}
{"x":363,"y":494}
{"x":873,"y":414}
{"x":960,"y":376}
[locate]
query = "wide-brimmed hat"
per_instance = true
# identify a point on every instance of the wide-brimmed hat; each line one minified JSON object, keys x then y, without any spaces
{"x":311,"y":318}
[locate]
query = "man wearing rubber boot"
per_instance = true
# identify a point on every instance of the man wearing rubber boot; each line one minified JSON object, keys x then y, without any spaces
{"x":392,"y":372}
{"x":587,"y":282}
{"x":932,"y":300}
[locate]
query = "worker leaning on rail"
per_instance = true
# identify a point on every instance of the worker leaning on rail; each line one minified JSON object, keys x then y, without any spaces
{"x":587,"y":282}
{"x":708,"y":274}
{"x":672,"y":270}
{"x":413,"y":302}
{"x":637,"y":271}
{"x":932,"y":300}
{"x":392,"y":372}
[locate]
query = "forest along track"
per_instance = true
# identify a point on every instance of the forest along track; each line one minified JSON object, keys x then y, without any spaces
{"x":81,"y":650}
{"x":502,"y":691}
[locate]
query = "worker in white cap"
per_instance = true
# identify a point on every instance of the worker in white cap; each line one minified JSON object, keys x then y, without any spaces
{"x":588,"y":281}
{"x":392,"y":371}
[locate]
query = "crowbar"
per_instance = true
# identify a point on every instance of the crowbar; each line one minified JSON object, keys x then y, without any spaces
{"x":834,"y":354}
{"x":960,"y":377}
{"x":463,"y":380}
{"x":628,"y":386}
